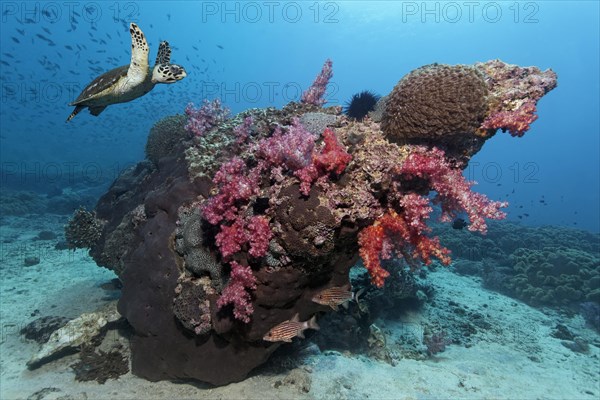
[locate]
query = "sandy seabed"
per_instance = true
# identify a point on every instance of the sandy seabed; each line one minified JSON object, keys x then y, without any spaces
{"x":517,"y":359}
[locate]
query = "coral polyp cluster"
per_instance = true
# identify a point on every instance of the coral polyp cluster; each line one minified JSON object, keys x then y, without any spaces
{"x":251,"y":216}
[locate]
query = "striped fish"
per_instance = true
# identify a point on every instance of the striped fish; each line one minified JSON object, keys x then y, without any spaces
{"x":335,"y":296}
{"x":287,"y":330}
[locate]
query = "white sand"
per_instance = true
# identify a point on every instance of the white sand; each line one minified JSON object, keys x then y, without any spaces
{"x":516,"y":359}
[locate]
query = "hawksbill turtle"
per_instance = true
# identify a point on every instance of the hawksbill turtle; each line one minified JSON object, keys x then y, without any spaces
{"x":131,"y":81}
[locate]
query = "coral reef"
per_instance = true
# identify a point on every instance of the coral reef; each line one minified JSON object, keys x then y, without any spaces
{"x":164,"y":135}
{"x":257,"y":213}
{"x":554,"y":276}
{"x":546,"y":266}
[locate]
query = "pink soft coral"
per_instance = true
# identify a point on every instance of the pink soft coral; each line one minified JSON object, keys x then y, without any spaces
{"x":236,"y":185}
{"x":241,"y":280}
{"x":453,"y":190}
{"x":516,"y":122}
{"x":316,"y":92}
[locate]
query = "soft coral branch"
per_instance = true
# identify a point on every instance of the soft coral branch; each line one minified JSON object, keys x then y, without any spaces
{"x":241,"y":281}
{"x":403,"y":233}
{"x":453,"y":190}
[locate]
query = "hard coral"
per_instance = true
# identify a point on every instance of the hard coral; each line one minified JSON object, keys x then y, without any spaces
{"x":190,"y":306}
{"x":164,"y":135}
{"x":83,"y":230}
{"x":435,"y":101}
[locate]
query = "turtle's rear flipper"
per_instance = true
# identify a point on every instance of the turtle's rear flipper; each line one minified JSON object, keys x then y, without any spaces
{"x":95,"y":111}
{"x":75,"y":112}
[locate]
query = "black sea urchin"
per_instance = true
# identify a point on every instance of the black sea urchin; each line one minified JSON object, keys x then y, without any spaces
{"x":360,"y":104}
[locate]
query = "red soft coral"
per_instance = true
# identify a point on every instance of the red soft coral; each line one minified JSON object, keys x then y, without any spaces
{"x":333,"y":157}
{"x":393,"y":231}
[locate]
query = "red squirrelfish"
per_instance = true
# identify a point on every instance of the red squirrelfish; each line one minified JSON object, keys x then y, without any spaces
{"x":334,"y":296}
{"x":287,"y":330}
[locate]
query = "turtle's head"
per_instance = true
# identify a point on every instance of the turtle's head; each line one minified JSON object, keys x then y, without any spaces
{"x":168,"y":73}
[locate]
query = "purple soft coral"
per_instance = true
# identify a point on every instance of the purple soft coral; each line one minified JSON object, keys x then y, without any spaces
{"x":202,"y":119}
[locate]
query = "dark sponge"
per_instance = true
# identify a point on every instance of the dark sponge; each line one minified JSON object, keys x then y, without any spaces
{"x":440,"y":103}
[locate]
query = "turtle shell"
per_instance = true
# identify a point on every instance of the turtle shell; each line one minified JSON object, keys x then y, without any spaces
{"x":100,"y":84}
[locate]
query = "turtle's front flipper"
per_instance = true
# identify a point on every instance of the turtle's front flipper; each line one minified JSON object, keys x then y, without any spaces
{"x":95,"y":111}
{"x":164,"y":53}
{"x":75,"y":112}
{"x":138,"y":68}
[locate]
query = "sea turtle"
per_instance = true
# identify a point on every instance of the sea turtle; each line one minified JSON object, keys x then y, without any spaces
{"x":130,"y":81}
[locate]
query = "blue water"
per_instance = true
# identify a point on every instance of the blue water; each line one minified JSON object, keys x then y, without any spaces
{"x":268,"y":52}
{"x":264,"y":54}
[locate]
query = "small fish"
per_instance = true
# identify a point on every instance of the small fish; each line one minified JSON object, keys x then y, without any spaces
{"x":459,"y":223}
{"x":335,"y":296}
{"x":287,"y":330}
{"x":219,"y":46}
{"x":14,"y":39}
